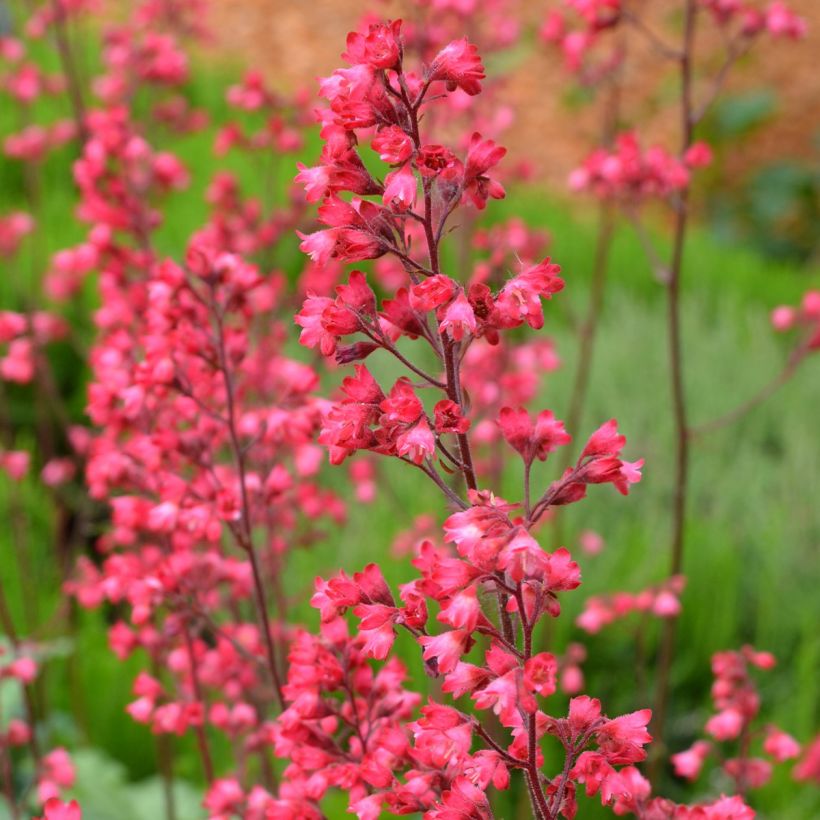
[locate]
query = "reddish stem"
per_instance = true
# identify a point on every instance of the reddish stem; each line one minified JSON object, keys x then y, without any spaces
{"x":678,"y":388}
{"x":199,"y":728}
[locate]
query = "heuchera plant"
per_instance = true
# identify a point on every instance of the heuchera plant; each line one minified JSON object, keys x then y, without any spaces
{"x":205,"y":427}
{"x":346,"y":724}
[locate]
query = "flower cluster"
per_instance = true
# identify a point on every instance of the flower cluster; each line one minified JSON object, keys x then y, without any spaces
{"x":494,"y":589}
{"x":662,"y":601}
{"x":203,"y":448}
{"x":629,"y":173}
{"x":56,"y":809}
{"x":777,"y":19}
{"x":579,"y":34}
{"x":737,"y":702}
{"x":807,"y":316}
{"x":54,"y":770}
{"x":280,"y":132}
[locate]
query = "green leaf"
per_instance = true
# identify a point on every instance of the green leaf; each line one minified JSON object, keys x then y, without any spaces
{"x":105,"y":794}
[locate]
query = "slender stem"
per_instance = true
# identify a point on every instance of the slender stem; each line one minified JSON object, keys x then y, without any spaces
{"x":246,"y":539}
{"x":657,"y":43}
{"x":67,"y":59}
{"x":494,"y":745}
{"x":439,"y":482}
{"x":768,"y":390}
{"x":675,"y":346}
{"x":589,"y":325}
{"x":8,"y":778}
{"x":165,"y":764}
{"x":448,"y":345}
{"x":454,"y":392}
{"x":384,"y":341}
{"x":527,"y":505}
{"x":533,"y":775}
{"x":559,"y":795}
{"x":199,"y":728}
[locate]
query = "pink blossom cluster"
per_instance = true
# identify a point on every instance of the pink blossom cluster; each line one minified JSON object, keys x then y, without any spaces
{"x":205,"y":449}
{"x":808,"y":768}
{"x":56,"y":809}
{"x":777,"y":19}
{"x":281,"y":131}
{"x":496,"y":560}
{"x":579,"y":32}
{"x":21,"y":337}
{"x":204,"y":443}
{"x":34,"y":142}
{"x":48,"y":16}
{"x":631,"y":173}
{"x":54,"y":770}
{"x":663,"y":601}
{"x":737,"y":702}
{"x":26,"y":83}
{"x":13,"y":228}
{"x":806,"y":316}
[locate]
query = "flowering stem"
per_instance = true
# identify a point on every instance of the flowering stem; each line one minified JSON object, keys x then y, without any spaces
{"x":199,"y":729}
{"x":527,"y":505}
{"x":432,"y":237}
{"x":246,"y":537}
{"x":678,"y":388}
{"x":533,"y":775}
{"x":454,"y":392}
{"x":559,"y":795}
{"x":8,"y":784}
{"x":431,"y":472}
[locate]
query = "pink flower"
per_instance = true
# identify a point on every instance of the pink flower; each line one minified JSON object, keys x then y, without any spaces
{"x":15,"y":463}
{"x":458,"y":318}
{"x":462,"y":611}
{"x":605,"y":441}
{"x":392,"y":145}
{"x":445,"y":650}
{"x":224,"y":797}
{"x":459,"y":65}
{"x":725,"y":725}
{"x":779,"y":745}
{"x":753,"y":772}
{"x":698,"y":155}
{"x":540,"y":674}
{"x":688,"y":764}
{"x":400,"y":189}
{"x":481,"y":156}
{"x":808,"y":769}
{"x":783,"y":22}
{"x":622,"y":739}
{"x":591,"y":542}
{"x":380,"y":47}
{"x":417,"y":442}
{"x":431,"y":293}
{"x":532,"y":440}
{"x":55,"y":809}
